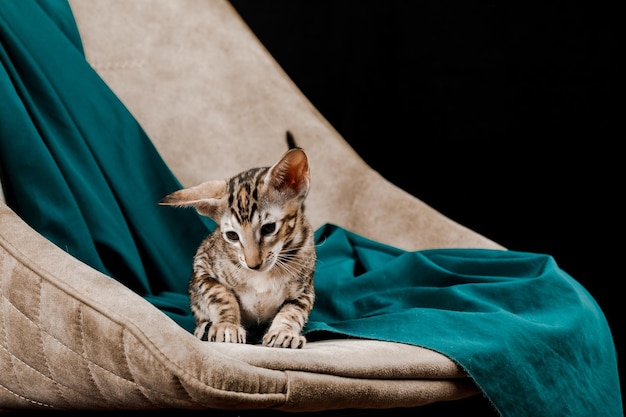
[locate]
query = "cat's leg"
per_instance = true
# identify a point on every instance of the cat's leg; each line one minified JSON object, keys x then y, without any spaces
{"x":224,"y":310}
{"x":285,"y":330}
{"x":216,"y":307}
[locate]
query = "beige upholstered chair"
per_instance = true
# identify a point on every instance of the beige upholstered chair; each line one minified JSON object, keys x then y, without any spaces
{"x":209,"y":95}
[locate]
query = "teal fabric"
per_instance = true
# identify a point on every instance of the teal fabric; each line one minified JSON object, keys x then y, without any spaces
{"x":76,"y":165}
{"x":78,"y":168}
{"x":531,"y":337}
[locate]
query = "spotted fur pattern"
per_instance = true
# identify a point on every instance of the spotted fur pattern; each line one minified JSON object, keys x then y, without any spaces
{"x":253,"y":276}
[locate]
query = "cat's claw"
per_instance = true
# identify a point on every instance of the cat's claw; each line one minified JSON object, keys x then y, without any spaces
{"x":226,"y":332}
{"x":284,"y":339}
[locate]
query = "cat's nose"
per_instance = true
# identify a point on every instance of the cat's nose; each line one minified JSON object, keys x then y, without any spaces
{"x":253,"y":258}
{"x":255,"y":267}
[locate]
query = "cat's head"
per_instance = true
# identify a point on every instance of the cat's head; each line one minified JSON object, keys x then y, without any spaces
{"x":256,"y":210}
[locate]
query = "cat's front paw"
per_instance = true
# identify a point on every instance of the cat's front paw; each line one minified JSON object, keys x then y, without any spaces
{"x":283,"y":338}
{"x":202,"y":330}
{"x":226,"y":332}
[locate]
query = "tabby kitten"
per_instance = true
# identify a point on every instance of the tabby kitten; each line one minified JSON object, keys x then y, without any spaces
{"x":253,"y":275}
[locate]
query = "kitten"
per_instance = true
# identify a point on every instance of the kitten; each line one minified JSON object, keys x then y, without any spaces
{"x":253,"y":275}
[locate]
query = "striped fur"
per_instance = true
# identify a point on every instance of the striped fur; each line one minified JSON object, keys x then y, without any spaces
{"x":253,"y":276}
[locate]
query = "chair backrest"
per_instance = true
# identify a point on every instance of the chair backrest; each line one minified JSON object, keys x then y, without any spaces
{"x":214,"y":105}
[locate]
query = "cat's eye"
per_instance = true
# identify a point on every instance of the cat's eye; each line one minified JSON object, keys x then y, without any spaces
{"x":232,"y":236}
{"x":268,"y":229}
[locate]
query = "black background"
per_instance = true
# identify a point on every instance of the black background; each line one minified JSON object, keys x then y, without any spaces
{"x":501,"y":116}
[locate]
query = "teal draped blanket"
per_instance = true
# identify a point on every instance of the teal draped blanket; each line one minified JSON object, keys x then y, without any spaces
{"x":78,"y":168}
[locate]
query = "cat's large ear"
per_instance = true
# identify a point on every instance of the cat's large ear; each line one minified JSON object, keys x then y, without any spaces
{"x":291,"y":172}
{"x":208,"y":198}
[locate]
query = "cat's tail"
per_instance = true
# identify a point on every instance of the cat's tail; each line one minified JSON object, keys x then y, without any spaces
{"x":291,"y":141}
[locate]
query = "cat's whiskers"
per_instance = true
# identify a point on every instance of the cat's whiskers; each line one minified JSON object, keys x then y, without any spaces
{"x":294,"y":252}
{"x":286,"y":266}
{"x":233,"y":274}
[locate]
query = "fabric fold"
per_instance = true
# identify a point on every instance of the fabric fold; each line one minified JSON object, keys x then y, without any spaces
{"x":530,"y":335}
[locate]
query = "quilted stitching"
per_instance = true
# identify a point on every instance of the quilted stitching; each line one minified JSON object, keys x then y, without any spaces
{"x":53,"y":367}
{"x":68,"y":354}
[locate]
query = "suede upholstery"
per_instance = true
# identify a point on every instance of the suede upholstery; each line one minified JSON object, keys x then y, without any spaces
{"x":214,"y":102}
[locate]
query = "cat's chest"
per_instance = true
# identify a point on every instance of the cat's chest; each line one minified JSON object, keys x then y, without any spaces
{"x":261,"y":296}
